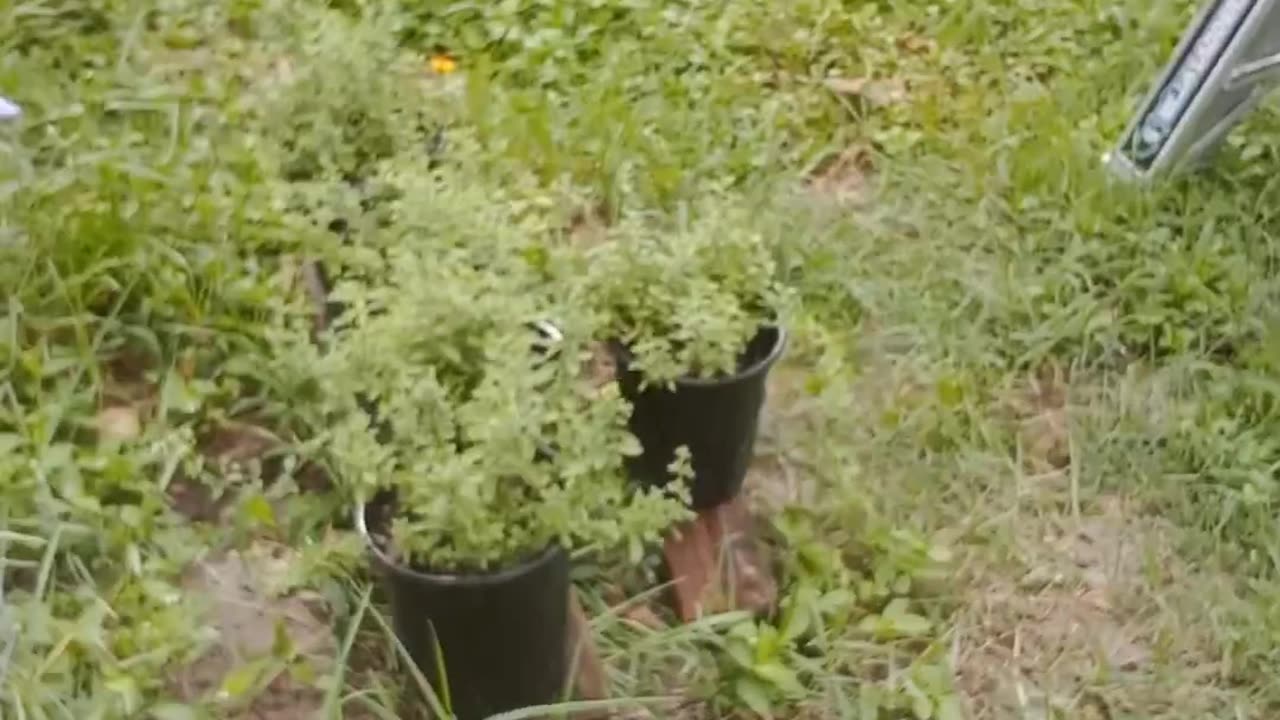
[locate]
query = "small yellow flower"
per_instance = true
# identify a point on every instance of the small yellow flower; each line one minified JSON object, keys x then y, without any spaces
{"x":443,"y":64}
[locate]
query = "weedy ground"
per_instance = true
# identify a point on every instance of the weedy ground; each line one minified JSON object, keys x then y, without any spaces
{"x":1020,"y":462}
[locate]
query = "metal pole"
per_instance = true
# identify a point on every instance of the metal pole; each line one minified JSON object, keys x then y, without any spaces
{"x":9,"y":112}
{"x":1228,"y":56}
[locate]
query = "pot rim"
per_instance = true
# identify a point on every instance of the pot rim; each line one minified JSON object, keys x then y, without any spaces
{"x":497,"y":576}
{"x":752,"y":370}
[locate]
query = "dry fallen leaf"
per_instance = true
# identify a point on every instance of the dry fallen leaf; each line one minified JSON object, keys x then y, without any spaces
{"x":187,"y":365}
{"x":1122,"y":654}
{"x":916,"y":44}
{"x":1044,"y":429}
{"x":846,"y":86}
{"x":1046,"y":441}
{"x":889,"y":91}
{"x":119,"y":424}
{"x":845,"y":179}
{"x":588,"y":227}
{"x":645,"y":616}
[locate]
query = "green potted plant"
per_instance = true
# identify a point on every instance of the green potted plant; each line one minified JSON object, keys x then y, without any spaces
{"x":692,"y":310}
{"x":489,"y":457}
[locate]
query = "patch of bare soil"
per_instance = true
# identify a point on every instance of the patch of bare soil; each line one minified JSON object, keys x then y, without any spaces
{"x":773,"y":482}
{"x":588,"y":227}
{"x":1075,"y":621}
{"x":1031,"y":643}
{"x":845,"y":178}
{"x":256,"y":626}
{"x":1081,"y":631}
{"x":1040,"y":408}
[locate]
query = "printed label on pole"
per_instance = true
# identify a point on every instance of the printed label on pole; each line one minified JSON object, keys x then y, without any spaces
{"x":1214,"y":79}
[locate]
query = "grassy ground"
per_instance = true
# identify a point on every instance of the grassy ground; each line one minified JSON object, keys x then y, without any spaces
{"x":1020,"y":463}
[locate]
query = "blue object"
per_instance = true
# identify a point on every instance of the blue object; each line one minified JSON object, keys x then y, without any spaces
{"x":8,"y":110}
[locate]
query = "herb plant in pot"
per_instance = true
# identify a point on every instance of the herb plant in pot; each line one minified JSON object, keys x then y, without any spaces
{"x":694,"y":330}
{"x":488,"y":460}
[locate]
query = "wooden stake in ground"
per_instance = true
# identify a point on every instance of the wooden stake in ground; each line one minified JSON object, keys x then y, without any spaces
{"x":589,"y":681}
{"x":716,"y":562}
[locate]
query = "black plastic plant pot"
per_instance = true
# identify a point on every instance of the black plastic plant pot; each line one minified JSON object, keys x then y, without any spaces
{"x":502,"y":635}
{"x":716,"y":418}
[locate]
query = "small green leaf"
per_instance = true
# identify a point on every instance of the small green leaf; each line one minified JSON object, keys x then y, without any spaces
{"x":127,"y":689}
{"x":754,"y":695}
{"x":934,"y":677}
{"x":133,"y":559}
{"x":868,"y":702}
{"x":746,"y":631}
{"x":899,"y":625}
{"x":172,"y":711}
{"x":896,"y":608}
{"x":182,"y":38}
{"x":949,"y":708}
{"x":258,"y":509}
{"x":814,"y":385}
{"x":950,"y":392}
{"x":921,"y":704}
{"x":9,"y":442}
{"x":242,"y":680}
{"x":179,"y":395}
{"x":536,"y":256}
{"x":902,"y":585}
{"x":870,"y":624}
{"x":921,"y":707}
{"x":840,"y":599}
{"x":781,"y":677}
{"x":281,"y":644}
{"x":796,"y":619}
{"x":740,"y":652}
{"x":910,"y":625}
{"x":768,"y":644}
{"x":635,"y":550}
{"x":303,"y":671}
{"x":796,"y":623}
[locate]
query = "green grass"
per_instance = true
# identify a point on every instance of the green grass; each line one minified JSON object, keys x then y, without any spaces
{"x":1025,"y":432}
